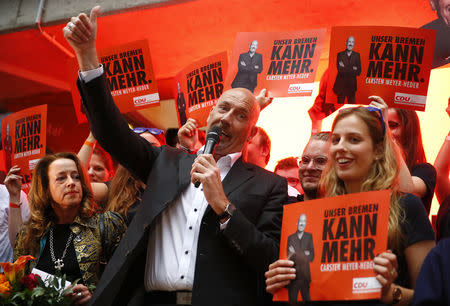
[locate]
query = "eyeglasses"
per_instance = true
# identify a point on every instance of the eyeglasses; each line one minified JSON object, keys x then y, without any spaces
{"x":153,"y":131}
{"x":319,"y":162}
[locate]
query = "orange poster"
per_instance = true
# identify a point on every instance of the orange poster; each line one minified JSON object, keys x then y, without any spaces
{"x":284,"y":63}
{"x":24,"y":140}
{"x":198,"y":88}
{"x":130,"y":77}
{"x":333,"y":242}
{"x":391,"y":62}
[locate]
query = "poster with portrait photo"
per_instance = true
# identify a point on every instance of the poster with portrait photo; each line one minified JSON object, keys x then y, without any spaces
{"x":391,"y":62}
{"x":24,"y":140}
{"x":285,"y":63}
{"x":130,"y":77}
{"x":332,"y":243}
{"x":198,"y":87}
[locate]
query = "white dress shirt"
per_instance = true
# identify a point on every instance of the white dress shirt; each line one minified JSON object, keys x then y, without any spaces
{"x":172,"y":246}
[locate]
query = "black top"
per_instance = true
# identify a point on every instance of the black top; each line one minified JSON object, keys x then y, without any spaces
{"x":427,"y":173}
{"x":71,"y":269}
{"x":442,"y":43}
{"x":415,"y":228}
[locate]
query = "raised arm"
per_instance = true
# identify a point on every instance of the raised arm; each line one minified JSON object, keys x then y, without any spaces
{"x":86,"y":150}
{"x":18,"y":203}
{"x":407,"y":183}
{"x":442,"y":165}
{"x":107,"y":123}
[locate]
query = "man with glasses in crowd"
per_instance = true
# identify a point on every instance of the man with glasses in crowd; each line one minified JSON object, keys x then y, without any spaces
{"x":311,"y":165}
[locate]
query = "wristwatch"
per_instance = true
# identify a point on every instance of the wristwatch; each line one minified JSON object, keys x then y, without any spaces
{"x":229,"y":209}
{"x":397,"y":295}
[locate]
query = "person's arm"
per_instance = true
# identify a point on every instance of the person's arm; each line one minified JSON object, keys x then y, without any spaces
{"x":242,"y":66}
{"x":442,"y":165}
{"x":107,"y":123}
{"x":431,"y":284}
{"x":256,"y":242}
{"x":405,"y":178}
{"x":81,"y":34}
{"x":86,"y":150}
{"x":262,"y":100}
{"x":13,"y":184}
{"x":386,"y":269}
{"x":99,"y":191}
{"x":358,"y":64}
{"x":259,"y":67}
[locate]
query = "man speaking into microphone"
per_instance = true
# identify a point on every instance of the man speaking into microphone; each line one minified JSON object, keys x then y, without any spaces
{"x":202,"y":246}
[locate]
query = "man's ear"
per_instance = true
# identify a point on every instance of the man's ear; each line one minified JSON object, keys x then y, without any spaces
{"x":210,"y":111}
{"x":253,"y":132}
{"x":433,"y":5}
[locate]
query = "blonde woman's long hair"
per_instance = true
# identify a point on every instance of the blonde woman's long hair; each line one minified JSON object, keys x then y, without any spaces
{"x":383,"y":174}
{"x":40,"y":199}
{"x":124,"y":191}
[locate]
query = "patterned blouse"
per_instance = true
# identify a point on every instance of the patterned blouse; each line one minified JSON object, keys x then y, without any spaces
{"x":87,"y":242}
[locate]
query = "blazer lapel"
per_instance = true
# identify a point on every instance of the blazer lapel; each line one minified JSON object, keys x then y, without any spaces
{"x":185,"y":172}
{"x":238,"y":174}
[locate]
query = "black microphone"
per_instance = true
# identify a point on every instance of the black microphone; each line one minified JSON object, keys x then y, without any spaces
{"x":212,"y":140}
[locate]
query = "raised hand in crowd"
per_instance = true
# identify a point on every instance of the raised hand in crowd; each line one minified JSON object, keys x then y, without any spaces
{"x":442,"y":165}
{"x":188,"y":136}
{"x":13,"y":183}
{"x":263,"y":101}
{"x":81,"y":34}
{"x":86,"y":150}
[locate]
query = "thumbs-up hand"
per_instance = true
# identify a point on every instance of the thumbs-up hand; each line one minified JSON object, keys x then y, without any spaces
{"x":81,"y":33}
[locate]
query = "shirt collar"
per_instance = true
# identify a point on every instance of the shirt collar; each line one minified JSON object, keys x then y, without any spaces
{"x":232,"y":157}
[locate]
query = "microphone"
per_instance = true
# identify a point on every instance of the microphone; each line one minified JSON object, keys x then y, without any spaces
{"x":212,"y":140}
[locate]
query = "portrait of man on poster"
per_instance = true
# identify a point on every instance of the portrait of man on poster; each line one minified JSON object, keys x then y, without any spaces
{"x":300,"y":250}
{"x":442,"y":26}
{"x":349,"y":67}
{"x":249,"y":66}
{"x":181,"y":105}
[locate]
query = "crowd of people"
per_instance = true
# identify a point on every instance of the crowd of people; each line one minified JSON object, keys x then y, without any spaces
{"x":152,"y":224}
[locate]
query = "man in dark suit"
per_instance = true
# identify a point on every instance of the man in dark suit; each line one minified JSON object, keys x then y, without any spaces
{"x":186,"y":245}
{"x":181,"y":105}
{"x":442,"y":26}
{"x":300,"y":250}
{"x":349,"y":67}
{"x":249,"y":65}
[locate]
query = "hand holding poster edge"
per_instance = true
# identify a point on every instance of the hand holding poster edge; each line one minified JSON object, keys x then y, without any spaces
{"x":343,"y":207}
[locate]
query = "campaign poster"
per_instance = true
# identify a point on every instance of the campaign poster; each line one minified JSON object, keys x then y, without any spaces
{"x":24,"y":140}
{"x":198,"y":88}
{"x":285,"y":63}
{"x":130,"y":76}
{"x":391,"y":62}
{"x":333,"y":242}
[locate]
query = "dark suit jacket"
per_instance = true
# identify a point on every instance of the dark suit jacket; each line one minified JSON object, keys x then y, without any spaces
{"x":301,"y":260}
{"x":247,"y":76}
{"x":181,"y":106}
{"x":442,"y":45}
{"x":346,"y":78}
{"x":230,"y":264}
